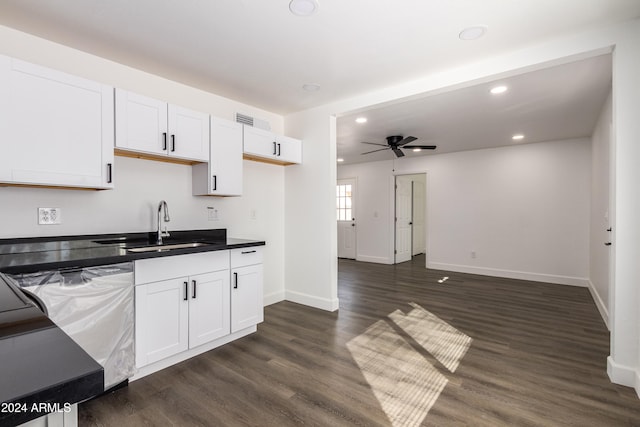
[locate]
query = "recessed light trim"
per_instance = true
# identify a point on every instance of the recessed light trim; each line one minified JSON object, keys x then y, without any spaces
{"x":339,"y":159}
{"x":517,"y":137}
{"x":311,"y":87}
{"x":303,"y":7}
{"x":496,"y":90}
{"x":361,"y":120}
{"x":473,"y":33}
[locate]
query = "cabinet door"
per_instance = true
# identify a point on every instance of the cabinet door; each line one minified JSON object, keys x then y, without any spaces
{"x":57,"y":129}
{"x":259,"y":142}
{"x":289,"y":149}
{"x":247,"y":304}
{"x":226,"y":158}
{"x":188,"y":134}
{"x":208,"y":307}
{"x":162,"y":320}
{"x":141,"y":123}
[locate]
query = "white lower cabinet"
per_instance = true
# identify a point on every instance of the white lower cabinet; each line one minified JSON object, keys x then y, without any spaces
{"x":162,"y":321}
{"x":247,"y":306}
{"x":208,"y":307}
{"x":190,"y":307}
{"x":188,"y":304}
{"x":177,"y":314}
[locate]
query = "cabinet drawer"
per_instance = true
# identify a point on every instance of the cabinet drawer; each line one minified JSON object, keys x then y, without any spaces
{"x":246,"y":256}
{"x":156,"y":269}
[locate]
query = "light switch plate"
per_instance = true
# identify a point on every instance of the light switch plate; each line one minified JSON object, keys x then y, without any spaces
{"x":49,"y":216}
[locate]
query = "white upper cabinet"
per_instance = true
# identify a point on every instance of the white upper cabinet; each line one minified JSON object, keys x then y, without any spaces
{"x":222,"y":175}
{"x":264,"y":145}
{"x":160,"y":130}
{"x":57,"y":129}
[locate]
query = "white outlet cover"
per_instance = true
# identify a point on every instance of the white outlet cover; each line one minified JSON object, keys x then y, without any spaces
{"x":49,"y":216}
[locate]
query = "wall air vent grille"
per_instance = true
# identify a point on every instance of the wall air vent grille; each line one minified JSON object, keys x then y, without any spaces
{"x":244,"y":119}
{"x":252,"y":121}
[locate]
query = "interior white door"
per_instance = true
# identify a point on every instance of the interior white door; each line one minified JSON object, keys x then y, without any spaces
{"x":346,"y":216}
{"x":403,"y":219}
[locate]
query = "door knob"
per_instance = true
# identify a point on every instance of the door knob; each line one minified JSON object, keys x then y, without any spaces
{"x":608,"y":244}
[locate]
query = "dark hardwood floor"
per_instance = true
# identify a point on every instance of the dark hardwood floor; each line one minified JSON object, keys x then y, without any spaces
{"x":537,"y":357}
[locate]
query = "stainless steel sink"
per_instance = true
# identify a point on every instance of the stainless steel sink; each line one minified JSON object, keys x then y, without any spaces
{"x":160,"y":248}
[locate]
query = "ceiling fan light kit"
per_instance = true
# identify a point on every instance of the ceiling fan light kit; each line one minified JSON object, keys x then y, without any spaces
{"x":396,"y":143}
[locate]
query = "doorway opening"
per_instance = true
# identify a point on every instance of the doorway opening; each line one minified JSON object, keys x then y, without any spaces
{"x":410,"y":216}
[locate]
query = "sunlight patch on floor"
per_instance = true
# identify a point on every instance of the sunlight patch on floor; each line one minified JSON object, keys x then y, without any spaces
{"x":447,"y":344}
{"x":405,"y":383}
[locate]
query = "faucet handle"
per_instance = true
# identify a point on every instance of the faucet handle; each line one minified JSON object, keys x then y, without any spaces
{"x":165,"y":232}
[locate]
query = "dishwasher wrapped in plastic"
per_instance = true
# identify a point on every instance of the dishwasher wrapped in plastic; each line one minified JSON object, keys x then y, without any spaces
{"x":94,"y":306}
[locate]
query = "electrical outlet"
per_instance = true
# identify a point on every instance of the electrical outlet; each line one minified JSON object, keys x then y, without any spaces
{"x":473,"y":254}
{"x":49,"y":216}
{"x":253,"y":214}
{"x":212,"y":213}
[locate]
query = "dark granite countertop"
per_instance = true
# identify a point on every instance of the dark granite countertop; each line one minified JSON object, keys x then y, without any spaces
{"x":40,"y":366}
{"x":26,"y":255}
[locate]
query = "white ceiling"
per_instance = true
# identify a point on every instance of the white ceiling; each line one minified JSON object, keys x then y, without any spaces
{"x":552,"y":104}
{"x":257,"y":52}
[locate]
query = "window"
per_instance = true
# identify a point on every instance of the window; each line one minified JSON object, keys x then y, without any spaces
{"x":343,"y":202}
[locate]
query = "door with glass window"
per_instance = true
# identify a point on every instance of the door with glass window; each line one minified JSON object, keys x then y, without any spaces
{"x":346,"y":214}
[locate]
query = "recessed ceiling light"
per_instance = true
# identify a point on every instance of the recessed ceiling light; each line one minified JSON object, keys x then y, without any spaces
{"x":473,"y":33}
{"x":361,"y":120}
{"x":303,"y":7}
{"x":340,"y":160}
{"x":311,"y":87}
{"x":498,"y":89}
{"x":415,"y":150}
{"x":517,"y":137}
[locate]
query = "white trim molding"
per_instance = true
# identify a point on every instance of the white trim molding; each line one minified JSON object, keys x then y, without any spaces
{"x":623,"y":375}
{"x":374,"y":259}
{"x":602,"y":308}
{"x":312,"y":301}
{"x":511,"y":274}
{"x":273,"y":298}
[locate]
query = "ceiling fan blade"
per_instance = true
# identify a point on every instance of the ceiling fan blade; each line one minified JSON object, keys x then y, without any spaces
{"x":373,"y":143}
{"x":380,"y":149}
{"x":407,"y":140}
{"x":424,"y":147}
{"x":398,"y":152}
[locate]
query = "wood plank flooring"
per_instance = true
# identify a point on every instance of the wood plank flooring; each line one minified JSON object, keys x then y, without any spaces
{"x":537,"y":358}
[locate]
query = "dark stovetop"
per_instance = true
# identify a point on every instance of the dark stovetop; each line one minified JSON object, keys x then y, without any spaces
{"x":39,"y":363}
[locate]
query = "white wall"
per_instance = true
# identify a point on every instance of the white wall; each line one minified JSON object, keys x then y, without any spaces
{"x":141,"y":184}
{"x":311,"y":243}
{"x":600,"y":170}
{"x":523,"y":209}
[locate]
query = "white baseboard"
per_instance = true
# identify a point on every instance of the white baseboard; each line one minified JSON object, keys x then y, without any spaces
{"x":602,"y":308}
{"x":312,"y":300}
{"x":273,"y":298}
{"x":374,"y":259}
{"x":511,"y":274}
{"x":623,"y":375}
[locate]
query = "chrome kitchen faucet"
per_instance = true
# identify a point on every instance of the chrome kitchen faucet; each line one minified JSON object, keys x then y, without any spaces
{"x":161,"y":233}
